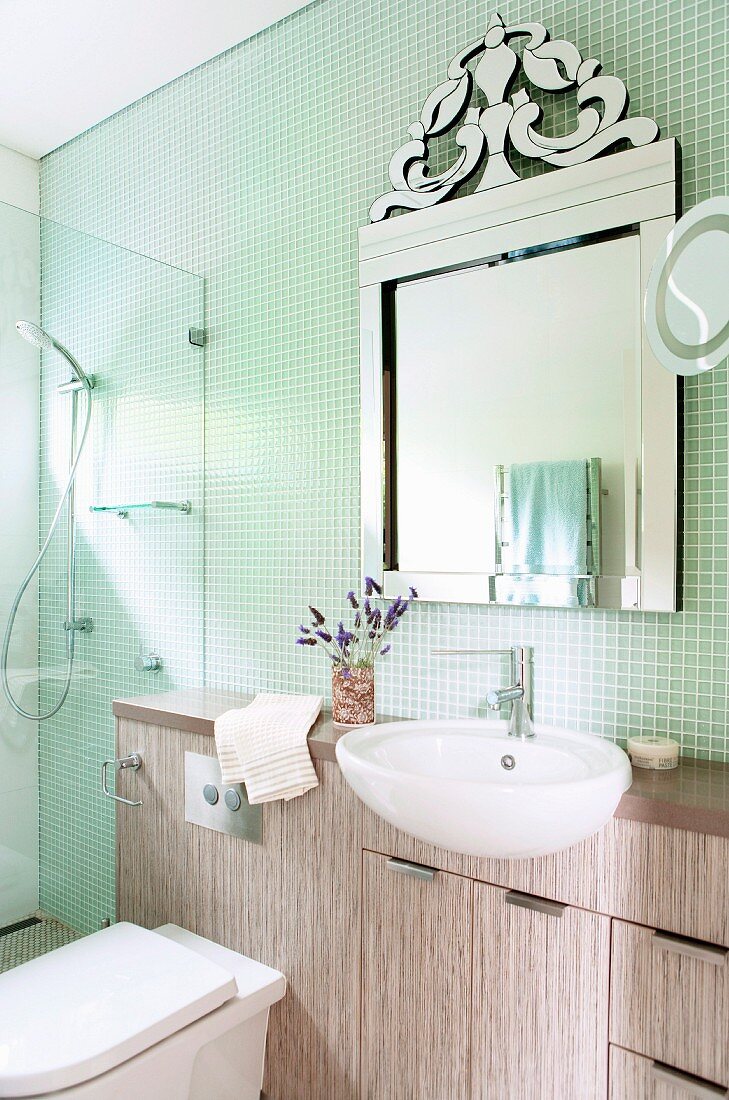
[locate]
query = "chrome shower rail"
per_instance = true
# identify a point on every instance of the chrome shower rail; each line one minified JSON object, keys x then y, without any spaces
{"x":122,"y":509}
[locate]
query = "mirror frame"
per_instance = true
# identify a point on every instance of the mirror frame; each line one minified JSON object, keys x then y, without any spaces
{"x":634,"y":190}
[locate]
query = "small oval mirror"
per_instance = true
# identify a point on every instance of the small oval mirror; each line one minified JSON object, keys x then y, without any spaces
{"x":686,"y":301}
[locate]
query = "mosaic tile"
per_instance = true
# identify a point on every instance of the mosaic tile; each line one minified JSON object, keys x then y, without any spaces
{"x":255,"y":171}
{"x":140,"y":578}
{"x":35,"y":939}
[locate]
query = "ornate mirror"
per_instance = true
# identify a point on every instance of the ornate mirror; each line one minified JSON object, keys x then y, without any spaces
{"x":518,"y":434}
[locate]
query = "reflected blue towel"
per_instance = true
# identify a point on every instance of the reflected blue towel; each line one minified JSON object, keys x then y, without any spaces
{"x":527,"y":589}
{"x":548,"y":513}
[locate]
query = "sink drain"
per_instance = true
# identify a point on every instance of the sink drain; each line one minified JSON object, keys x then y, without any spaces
{"x":508,"y":762}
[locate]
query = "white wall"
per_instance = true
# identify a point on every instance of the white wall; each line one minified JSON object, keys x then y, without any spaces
{"x":19,"y":446}
{"x":19,"y":177}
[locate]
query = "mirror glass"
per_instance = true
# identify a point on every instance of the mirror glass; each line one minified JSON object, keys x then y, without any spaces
{"x":513,"y":421}
{"x":686,"y":303}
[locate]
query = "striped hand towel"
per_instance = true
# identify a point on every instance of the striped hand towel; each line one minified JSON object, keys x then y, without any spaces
{"x":264,"y":746}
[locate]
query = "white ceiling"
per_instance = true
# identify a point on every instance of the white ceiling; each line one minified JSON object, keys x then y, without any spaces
{"x":67,"y":64}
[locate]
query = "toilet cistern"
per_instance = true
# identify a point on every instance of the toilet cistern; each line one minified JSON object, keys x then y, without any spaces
{"x":519,"y":693}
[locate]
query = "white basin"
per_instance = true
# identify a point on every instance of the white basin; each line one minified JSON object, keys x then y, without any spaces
{"x":444,"y":782}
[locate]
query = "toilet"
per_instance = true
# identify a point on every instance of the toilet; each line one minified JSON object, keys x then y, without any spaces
{"x":133,"y":1014}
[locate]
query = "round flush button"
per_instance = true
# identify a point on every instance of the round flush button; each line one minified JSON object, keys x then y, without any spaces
{"x":210,"y":794}
{"x":232,"y":799}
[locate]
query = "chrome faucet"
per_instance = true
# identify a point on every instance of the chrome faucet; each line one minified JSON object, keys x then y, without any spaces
{"x":519,"y":694}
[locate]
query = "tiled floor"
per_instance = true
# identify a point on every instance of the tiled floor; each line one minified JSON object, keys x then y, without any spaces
{"x":37,"y":937}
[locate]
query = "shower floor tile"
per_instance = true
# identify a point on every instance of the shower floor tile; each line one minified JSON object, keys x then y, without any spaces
{"x":29,"y":940}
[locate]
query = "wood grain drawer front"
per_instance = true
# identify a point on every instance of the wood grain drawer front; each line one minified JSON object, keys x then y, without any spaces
{"x":416,"y":982}
{"x":633,"y":1077}
{"x":540,"y":999}
{"x":670,"y":1000}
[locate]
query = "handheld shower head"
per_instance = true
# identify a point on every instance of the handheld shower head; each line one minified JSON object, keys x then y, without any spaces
{"x":39,"y":338}
{"x":35,"y":335}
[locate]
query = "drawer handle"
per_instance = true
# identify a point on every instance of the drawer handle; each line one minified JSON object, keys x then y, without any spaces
{"x":695,"y":949}
{"x":414,"y":870}
{"x":538,"y":905}
{"x":691,"y":1086}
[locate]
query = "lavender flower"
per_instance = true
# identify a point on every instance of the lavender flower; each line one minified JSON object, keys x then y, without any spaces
{"x":359,"y":647}
{"x":391,"y":613}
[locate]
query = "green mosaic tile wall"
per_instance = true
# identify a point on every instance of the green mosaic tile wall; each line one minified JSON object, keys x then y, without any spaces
{"x":126,"y":319}
{"x":255,"y":171}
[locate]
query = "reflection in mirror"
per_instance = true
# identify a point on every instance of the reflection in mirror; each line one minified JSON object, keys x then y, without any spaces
{"x":548,"y":532}
{"x":514,"y":422}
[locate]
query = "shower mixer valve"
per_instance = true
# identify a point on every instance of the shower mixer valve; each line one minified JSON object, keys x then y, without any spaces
{"x":84,"y":625}
{"x":148,"y":662}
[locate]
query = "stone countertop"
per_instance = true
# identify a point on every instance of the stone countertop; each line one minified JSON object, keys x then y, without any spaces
{"x":695,"y":795}
{"x":196,"y":711}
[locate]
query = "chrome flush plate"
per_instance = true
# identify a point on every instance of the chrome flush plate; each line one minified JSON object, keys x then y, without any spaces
{"x":230,"y":812}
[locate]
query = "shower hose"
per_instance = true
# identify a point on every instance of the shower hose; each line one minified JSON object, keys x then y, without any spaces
{"x":70,"y":633}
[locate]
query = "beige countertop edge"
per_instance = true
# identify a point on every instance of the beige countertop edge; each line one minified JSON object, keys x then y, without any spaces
{"x":694,"y":796}
{"x":192,"y":712}
{"x":674,"y":815}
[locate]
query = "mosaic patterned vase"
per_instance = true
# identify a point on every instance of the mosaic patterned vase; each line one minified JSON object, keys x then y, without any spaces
{"x":353,"y":698}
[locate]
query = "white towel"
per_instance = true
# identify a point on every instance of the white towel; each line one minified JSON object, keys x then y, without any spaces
{"x":264,"y":746}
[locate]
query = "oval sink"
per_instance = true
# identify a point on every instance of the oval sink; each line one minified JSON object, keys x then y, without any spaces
{"x":467,"y":786}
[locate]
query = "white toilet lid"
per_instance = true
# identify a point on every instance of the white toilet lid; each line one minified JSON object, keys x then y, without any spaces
{"x":84,"y":1008}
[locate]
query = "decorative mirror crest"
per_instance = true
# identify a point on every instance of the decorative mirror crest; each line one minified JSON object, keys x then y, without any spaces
{"x":483,"y":132}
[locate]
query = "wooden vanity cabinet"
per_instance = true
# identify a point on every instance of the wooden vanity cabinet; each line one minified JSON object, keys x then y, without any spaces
{"x":634,"y":1077}
{"x":539,"y":998}
{"x":470,"y":990}
{"x":416,"y":981}
{"x":670,"y":1000}
{"x":478,"y":979}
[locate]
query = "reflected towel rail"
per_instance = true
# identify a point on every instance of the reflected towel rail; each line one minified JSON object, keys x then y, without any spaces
{"x":594,"y":494}
{"x":123,"y":509}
